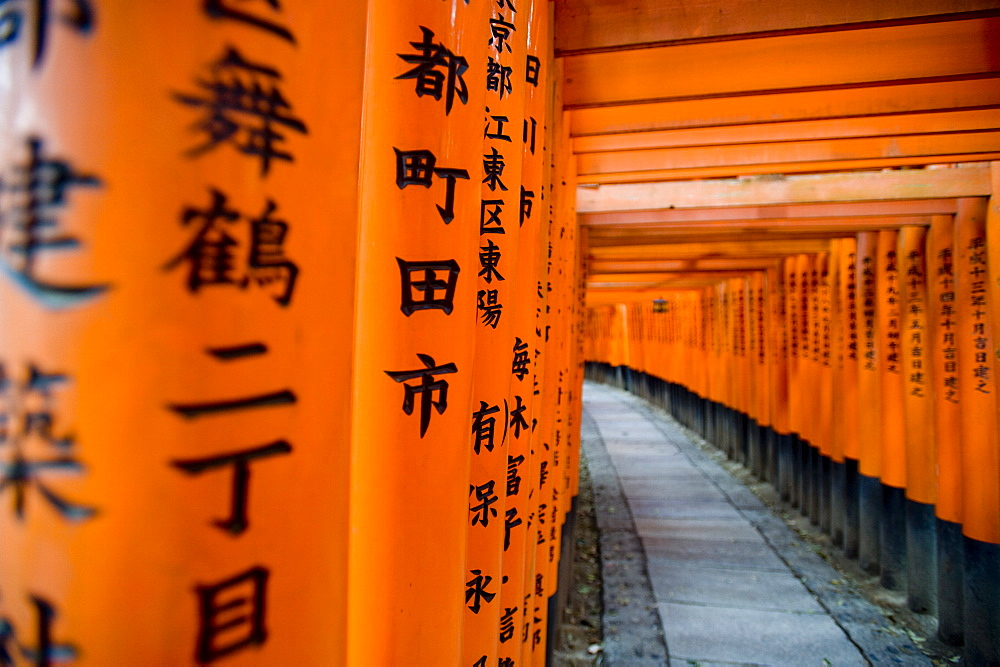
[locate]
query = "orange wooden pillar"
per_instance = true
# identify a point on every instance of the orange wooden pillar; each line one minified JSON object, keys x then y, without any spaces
{"x":811,"y":423}
{"x":173,"y":447}
{"x":417,"y":315}
{"x":824,"y":368}
{"x":921,"y":452}
{"x":528,"y":307}
{"x":760,"y":394}
{"x":947,"y":428}
{"x":802,"y":422}
{"x":892,"y":550}
{"x":780,"y":346}
{"x":836,"y":354}
{"x":499,"y":273}
{"x":980,"y":434}
{"x":561,"y":489}
{"x":870,"y":397}
{"x":845,"y":404}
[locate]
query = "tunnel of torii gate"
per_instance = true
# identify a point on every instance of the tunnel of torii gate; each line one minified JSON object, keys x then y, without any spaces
{"x":297,"y":300}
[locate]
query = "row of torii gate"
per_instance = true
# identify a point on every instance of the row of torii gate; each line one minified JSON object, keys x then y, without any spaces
{"x":296,"y":304}
{"x":791,"y":247}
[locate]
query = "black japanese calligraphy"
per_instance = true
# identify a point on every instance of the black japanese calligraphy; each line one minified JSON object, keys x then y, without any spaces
{"x":519,"y":366}
{"x":484,"y":427}
{"x":493,"y":166}
{"x":428,"y":387}
{"x":489,"y":219}
{"x":269,"y":399}
{"x":237,"y":522}
{"x":429,"y":61}
{"x":486,"y":498}
{"x":476,"y":590}
{"x":498,"y":78}
{"x":245,"y":107}
{"x":16,"y":14}
{"x":500,"y":30}
{"x":27,"y":424}
{"x":489,"y":259}
{"x":517,"y":420}
{"x":29,"y":200}
{"x":489,"y":306}
{"x":527,"y":199}
{"x":532,"y":68}
{"x":46,"y":651}
{"x":212,"y":255}
{"x":513,"y":475}
{"x":418,"y":168}
{"x":227,"y":9}
{"x":511,"y":521}
{"x":499,"y":133}
{"x":232,"y":615}
{"x":433,"y":288}
{"x":507,"y":624}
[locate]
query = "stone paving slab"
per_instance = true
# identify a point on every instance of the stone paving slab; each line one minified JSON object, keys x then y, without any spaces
{"x":756,"y":636}
{"x":737,"y":588}
{"x":731,"y":583}
{"x":726,"y":530}
{"x":712,"y":553}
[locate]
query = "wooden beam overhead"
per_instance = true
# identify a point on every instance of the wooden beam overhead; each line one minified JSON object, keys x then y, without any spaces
{"x":779,"y":169}
{"x":789,"y":106}
{"x":971,"y":181}
{"x":835,"y":225}
{"x":950,"y":49}
{"x":585,"y":25}
{"x":653,"y":278}
{"x":704,"y":250}
{"x":820,"y":211}
{"x":720,"y":237}
{"x":810,"y":130}
{"x":823,"y":150}
{"x":666,"y":265}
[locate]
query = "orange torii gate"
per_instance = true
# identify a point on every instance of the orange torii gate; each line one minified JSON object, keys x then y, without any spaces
{"x":295,"y":305}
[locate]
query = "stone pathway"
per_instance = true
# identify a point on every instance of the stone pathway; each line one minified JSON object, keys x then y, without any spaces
{"x":732,"y":584}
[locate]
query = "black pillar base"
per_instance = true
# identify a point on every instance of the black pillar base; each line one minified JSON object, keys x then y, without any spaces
{"x":921,"y":557}
{"x":892,"y":549}
{"x":852,"y":526}
{"x":982,"y":603}
{"x":950,"y":582}
{"x":838,"y":479}
{"x":869,"y":519}
{"x":796,"y":490}
{"x":784,"y":452}
{"x":825,"y":484}
{"x":770,"y":455}
{"x":813,"y":483}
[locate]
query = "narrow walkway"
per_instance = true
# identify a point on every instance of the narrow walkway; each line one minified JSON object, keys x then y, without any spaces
{"x":732,"y":584}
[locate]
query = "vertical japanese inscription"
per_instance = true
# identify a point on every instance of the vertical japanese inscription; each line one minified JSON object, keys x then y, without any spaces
{"x":243,"y":104}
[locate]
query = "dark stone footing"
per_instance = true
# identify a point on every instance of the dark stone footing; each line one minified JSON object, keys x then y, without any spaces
{"x":950,"y":582}
{"x":921,"y":557}
{"x":892,"y":536}
{"x":981,"y":596}
{"x":869,"y":520}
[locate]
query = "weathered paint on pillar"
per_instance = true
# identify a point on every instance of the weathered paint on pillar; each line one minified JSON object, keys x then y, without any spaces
{"x":200,"y":449}
{"x":495,"y":415}
{"x":409,"y":587}
{"x":947,"y":383}
{"x":889,"y":324}
{"x":528,"y":305}
{"x":916,"y":367}
{"x":869,"y":362}
{"x":977,"y":378}
{"x":847,"y":414}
